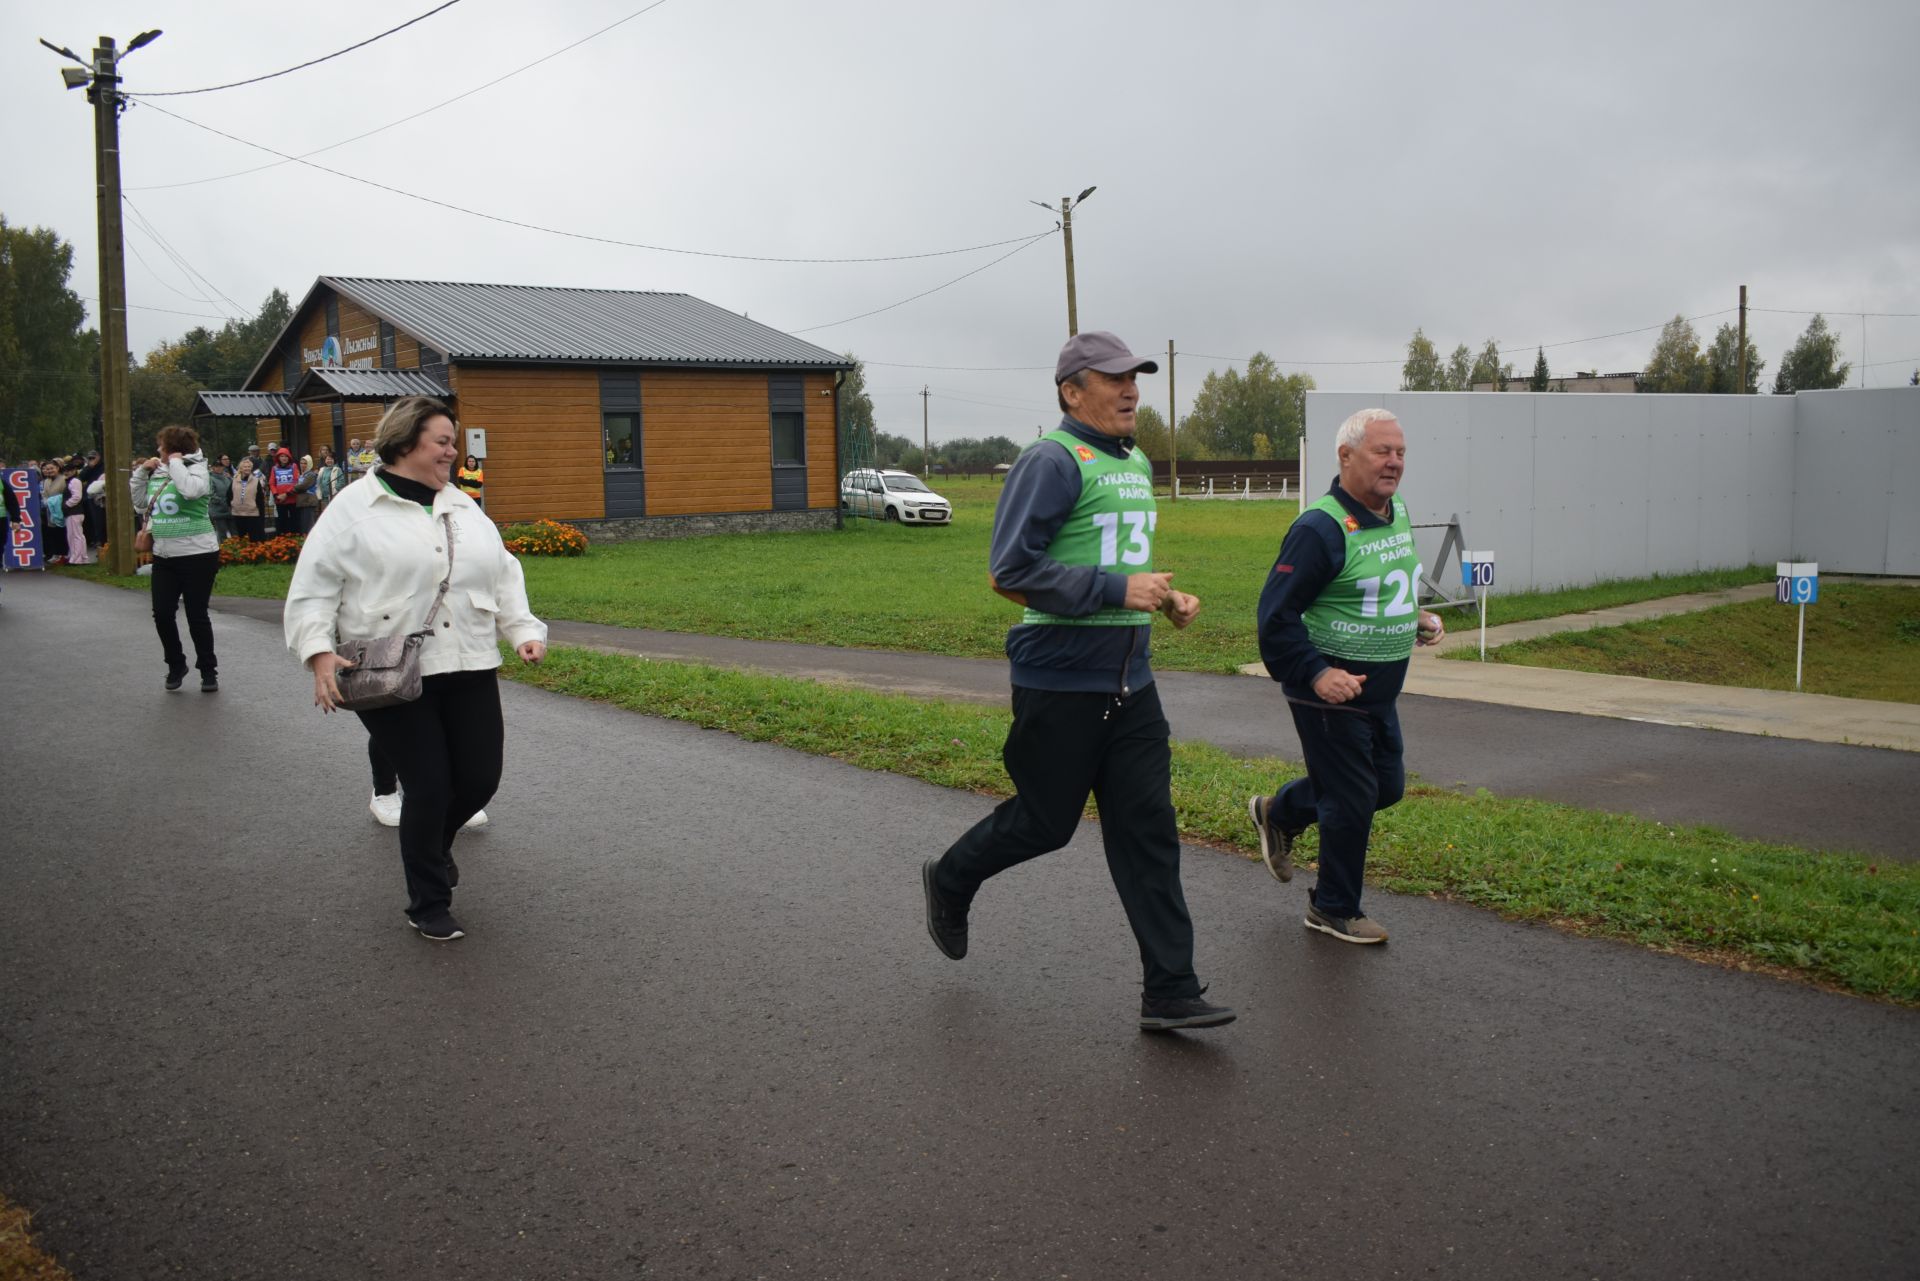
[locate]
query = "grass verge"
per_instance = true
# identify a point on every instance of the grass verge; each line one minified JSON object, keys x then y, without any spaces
{"x":1863,"y":641}
{"x":20,"y":1258}
{"x":1832,"y":918}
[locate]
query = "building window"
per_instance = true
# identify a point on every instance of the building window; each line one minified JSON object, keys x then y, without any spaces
{"x":789,"y":439}
{"x":620,"y":435}
{"x":389,"y":351}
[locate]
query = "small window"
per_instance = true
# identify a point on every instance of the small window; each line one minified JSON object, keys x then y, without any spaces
{"x":789,"y":439}
{"x":619,"y":433}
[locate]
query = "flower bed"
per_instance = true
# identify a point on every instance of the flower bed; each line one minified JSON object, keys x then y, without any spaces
{"x":283,"y":549}
{"x":544,"y":538}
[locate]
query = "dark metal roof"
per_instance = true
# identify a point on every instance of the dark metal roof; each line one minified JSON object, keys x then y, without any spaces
{"x":538,"y":323}
{"x":245,"y":404}
{"x":330,"y":382}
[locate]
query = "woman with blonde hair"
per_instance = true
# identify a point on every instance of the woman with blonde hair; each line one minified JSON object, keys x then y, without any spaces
{"x":402,"y":552}
{"x":170,"y":490}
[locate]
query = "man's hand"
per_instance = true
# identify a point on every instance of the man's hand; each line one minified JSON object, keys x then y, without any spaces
{"x":1147,"y":592}
{"x":1431,"y":629}
{"x":1336,"y":686}
{"x":531,"y":651}
{"x":1180,"y":608}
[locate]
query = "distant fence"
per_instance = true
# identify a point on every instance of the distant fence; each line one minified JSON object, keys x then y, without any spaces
{"x":1567,"y":490}
{"x":1235,"y":474}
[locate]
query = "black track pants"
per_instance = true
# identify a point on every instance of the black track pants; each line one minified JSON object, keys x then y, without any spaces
{"x":189,"y":579}
{"x":1355,"y":766}
{"x":1061,"y":747}
{"x":447,"y":747}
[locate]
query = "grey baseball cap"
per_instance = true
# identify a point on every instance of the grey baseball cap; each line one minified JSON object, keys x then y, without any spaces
{"x":1098,"y":350}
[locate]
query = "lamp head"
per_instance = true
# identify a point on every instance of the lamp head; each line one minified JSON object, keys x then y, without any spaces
{"x":76,"y":77}
{"x":144,"y":38}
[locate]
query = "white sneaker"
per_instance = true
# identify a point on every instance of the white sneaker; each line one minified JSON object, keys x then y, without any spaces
{"x":478,"y":820}
{"x":385,"y":809}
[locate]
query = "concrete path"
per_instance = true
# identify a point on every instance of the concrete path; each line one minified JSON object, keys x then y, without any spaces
{"x":698,"y":1031}
{"x":1775,"y":788}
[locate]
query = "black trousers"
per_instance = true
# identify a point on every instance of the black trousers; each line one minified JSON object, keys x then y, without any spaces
{"x":1355,"y":766}
{"x":447,"y":746}
{"x":253,"y":528}
{"x":1061,"y":747}
{"x":385,"y":781}
{"x":189,"y":579}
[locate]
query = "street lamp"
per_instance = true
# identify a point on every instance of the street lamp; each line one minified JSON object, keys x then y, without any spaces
{"x":1065,"y":211}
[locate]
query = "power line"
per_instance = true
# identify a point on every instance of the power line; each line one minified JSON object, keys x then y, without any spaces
{"x":1027,"y":243}
{"x":180,"y":259}
{"x":963,"y":369}
{"x":1022,"y":241}
{"x":1839,"y":311}
{"x":426,"y":111}
{"x":312,"y":62}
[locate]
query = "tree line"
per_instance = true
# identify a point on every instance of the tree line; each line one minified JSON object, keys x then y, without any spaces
{"x":1677,"y":364}
{"x":50,"y":358}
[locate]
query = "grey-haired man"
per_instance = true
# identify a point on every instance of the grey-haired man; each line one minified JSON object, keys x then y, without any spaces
{"x":1073,"y":543}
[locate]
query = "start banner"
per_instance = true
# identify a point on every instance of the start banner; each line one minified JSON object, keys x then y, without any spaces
{"x":26,"y":543}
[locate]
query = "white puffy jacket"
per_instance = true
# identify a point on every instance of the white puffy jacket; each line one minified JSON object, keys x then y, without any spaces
{"x":371,"y":568}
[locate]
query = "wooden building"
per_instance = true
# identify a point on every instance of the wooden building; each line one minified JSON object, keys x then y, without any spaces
{"x":637,"y":414}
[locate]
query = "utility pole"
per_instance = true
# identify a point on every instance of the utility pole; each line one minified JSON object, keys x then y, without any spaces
{"x":1743,"y":340}
{"x":102,"y":80}
{"x":1066,"y":228}
{"x":1173,"y":449}
{"x":926,"y":447}
{"x":116,"y":413}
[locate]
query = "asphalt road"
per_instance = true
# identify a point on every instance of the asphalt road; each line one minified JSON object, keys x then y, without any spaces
{"x":1823,"y":796}
{"x":697,"y":1030}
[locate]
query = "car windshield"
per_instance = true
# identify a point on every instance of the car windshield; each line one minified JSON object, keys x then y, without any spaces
{"x":907,"y":484}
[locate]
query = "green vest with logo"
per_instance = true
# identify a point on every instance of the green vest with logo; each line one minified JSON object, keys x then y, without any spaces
{"x":1370,"y":611}
{"x":1110,"y":526}
{"x":171,"y":515}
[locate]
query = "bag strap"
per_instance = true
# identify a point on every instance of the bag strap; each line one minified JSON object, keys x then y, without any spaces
{"x":446,"y":520}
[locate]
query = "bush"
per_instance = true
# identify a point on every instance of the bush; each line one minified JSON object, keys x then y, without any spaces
{"x":283,"y":549}
{"x":544,"y":538}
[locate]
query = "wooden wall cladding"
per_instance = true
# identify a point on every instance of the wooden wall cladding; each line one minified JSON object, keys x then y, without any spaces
{"x":543,"y":439}
{"x":823,"y":477}
{"x":707,"y":441}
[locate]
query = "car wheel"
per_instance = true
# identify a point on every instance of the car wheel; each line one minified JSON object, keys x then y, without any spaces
{"x":893,"y":513}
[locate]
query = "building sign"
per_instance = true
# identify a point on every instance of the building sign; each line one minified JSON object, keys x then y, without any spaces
{"x":327,"y":353}
{"x":355,"y":346}
{"x":26,"y":547}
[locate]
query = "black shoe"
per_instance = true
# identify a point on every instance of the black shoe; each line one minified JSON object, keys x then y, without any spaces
{"x":1173,"y":1013}
{"x":441,"y":929}
{"x":948,"y":927}
{"x":176,"y":679}
{"x":1276,"y":842}
{"x":209,"y":684}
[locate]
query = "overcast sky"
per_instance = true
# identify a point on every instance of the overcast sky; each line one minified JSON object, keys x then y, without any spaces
{"x":1307,"y":180}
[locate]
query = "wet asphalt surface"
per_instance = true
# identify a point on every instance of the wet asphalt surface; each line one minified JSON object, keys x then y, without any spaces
{"x":697,"y":1030}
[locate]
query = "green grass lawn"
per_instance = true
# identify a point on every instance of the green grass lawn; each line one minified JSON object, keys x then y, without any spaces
{"x":1863,"y":641}
{"x":1833,"y":918}
{"x":878,"y":585}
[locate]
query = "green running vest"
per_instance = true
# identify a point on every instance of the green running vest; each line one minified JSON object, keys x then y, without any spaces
{"x":1110,"y":526}
{"x":1370,"y":611}
{"x":172,"y":515}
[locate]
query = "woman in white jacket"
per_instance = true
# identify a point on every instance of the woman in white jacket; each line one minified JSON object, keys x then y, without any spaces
{"x":170,"y":491}
{"x":372,"y":567}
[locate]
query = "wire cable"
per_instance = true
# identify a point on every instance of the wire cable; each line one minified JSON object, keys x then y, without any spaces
{"x":1025,"y":244}
{"x":1839,"y":311}
{"x":180,"y":259}
{"x":425,"y":111}
{"x":1021,"y":241}
{"x":312,"y":62}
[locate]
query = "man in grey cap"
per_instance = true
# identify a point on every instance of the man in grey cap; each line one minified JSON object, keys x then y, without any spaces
{"x":1073,"y":544}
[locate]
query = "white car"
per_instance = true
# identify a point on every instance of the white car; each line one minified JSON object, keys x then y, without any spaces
{"x":893,"y":495}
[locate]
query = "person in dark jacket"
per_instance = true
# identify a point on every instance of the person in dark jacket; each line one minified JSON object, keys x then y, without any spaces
{"x":1338,"y":621}
{"x":220,"y":499}
{"x":1073,"y":543}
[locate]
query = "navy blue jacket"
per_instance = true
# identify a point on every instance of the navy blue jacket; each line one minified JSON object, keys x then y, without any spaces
{"x":1312,"y":554}
{"x":1039,"y":495}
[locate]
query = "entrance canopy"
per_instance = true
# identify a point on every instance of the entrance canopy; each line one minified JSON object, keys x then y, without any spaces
{"x":245,"y":404}
{"x":333,"y":383}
